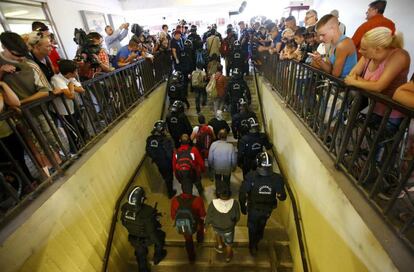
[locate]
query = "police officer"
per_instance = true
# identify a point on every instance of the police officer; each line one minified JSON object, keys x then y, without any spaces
{"x":197,"y":44}
{"x":160,"y":149}
{"x":176,"y":88}
{"x":143,"y":227}
{"x":238,"y":57}
{"x":240,"y":121}
{"x":237,"y":88}
{"x":250,"y":145}
{"x":177,"y":122}
{"x":258,"y":196}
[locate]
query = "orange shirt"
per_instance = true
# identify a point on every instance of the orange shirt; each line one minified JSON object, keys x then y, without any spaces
{"x":376,"y":21}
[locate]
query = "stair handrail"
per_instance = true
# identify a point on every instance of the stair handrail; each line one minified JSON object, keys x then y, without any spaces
{"x":296,"y":213}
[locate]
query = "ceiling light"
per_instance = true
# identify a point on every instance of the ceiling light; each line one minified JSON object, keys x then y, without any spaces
{"x":16,"y":13}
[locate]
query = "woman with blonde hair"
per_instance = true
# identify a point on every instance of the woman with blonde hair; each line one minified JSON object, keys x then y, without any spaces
{"x":383,"y":67}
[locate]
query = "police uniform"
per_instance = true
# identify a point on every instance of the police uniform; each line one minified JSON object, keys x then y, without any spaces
{"x":258,"y":197}
{"x":143,"y":230}
{"x":178,"y":125}
{"x":249,"y":146}
{"x":160,"y":148}
{"x":176,"y":89}
{"x":239,"y":124}
{"x":237,"y":88}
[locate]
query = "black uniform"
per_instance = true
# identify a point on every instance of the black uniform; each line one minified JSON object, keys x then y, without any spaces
{"x":160,"y":149}
{"x":236,"y":89}
{"x":143,"y":231}
{"x":238,"y":58}
{"x":197,"y":45}
{"x":178,"y":124}
{"x":218,"y":125}
{"x":258,"y":197}
{"x":177,"y":91}
{"x":180,"y":51}
{"x":249,"y":146}
{"x":240,"y":124}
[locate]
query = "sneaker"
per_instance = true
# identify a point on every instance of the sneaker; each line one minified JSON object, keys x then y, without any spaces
{"x":219,"y":249}
{"x":228,"y":258}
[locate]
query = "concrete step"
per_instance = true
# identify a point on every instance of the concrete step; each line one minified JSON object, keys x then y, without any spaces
{"x":207,"y":259}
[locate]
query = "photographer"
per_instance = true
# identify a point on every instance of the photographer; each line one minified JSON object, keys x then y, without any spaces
{"x":92,"y":57}
{"x":127,"y":54}
{"x":114,"y":38}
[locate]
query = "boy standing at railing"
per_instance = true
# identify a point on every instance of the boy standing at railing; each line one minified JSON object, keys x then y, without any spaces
{"x":65,"y":83}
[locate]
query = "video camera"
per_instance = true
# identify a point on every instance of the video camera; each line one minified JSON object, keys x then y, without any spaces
{"x":86,"y":48}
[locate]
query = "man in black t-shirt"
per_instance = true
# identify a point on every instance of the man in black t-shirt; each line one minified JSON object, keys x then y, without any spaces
{"x":177,"y":50}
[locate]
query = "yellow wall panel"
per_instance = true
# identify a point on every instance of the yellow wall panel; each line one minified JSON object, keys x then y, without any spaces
{"x":336,"y":237}
{"x":69,"y":230}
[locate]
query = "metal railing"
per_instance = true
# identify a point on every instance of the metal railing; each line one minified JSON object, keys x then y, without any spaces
{"x":44,"y":137}
{"x":365,"y":133}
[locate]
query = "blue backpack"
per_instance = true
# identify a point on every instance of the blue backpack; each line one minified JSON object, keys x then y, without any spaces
{"x":184,"y":219}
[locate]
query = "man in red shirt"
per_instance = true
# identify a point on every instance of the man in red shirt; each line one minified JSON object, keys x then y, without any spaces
{"x":198,"y":211}
{"x":375,"y":18}
{"x":188,"y":163}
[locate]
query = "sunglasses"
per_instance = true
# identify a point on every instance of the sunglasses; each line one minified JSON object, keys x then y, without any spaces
{"x":17,"y":54}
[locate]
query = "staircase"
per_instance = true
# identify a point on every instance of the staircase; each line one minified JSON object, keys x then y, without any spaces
{"x":273,"y":254}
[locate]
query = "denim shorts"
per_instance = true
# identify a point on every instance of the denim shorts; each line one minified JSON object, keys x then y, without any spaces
{"x":228,"y":237}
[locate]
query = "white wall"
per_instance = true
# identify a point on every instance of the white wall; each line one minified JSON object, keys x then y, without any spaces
{"x":66,"y":16}
{"x":352,"y":14}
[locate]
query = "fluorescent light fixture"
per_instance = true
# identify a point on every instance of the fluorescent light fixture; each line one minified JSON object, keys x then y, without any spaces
{"x":16,"y":13}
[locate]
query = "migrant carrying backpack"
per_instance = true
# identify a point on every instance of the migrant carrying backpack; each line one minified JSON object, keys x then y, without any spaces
{"x":200,"y":57}
{"x":225,"y":48}
{"x":184,"y":219}
{"x":197,"y":79}
{"x":204,"y":139}
{"x":184,"y":165}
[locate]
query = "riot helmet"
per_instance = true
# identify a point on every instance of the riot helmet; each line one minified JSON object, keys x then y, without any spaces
{"x":193,"y":29}
{"x":264,"y":163}
{"x":177,"y":76}
{"x":236,"y":74}
{"x":253,"y":125}
{"x":137,"y":196}
{"x":177,"y":106}
{"x":159,"y":127}
{"x":188,"y":43}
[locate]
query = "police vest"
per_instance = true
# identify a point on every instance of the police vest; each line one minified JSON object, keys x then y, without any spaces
{"x":133,"y":221}
{"x":263,"y":193}
{"x":155,"y":146}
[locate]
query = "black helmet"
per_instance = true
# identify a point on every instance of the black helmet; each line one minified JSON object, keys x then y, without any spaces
{"x":236,"y":73}
{"x":177,"y":106}
{"x":188,"y":43}
{"x":136,"y":196}
{"x":264,"y":163}
{"x":177,"y":76}
{"x":242,"y":102}
{"x":159,"y":126}
{"x":253,"y":124}
{"x":193,"y":28}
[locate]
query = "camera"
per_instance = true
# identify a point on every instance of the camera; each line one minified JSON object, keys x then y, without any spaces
{"x":86,"y":48}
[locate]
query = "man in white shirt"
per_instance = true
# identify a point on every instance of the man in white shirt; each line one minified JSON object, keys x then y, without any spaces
{"x":114,"y":38}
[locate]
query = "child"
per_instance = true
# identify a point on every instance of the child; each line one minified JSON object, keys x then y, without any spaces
{"x":223,"y":213}
{"x":65,"y":83}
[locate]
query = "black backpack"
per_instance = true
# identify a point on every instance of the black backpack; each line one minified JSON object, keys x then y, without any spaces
{"x":184,"y":219}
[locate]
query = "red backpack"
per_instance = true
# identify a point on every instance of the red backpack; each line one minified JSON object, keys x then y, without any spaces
{"x":184,"y":164}
{"x":204,"y":139}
